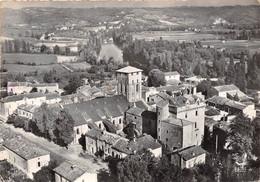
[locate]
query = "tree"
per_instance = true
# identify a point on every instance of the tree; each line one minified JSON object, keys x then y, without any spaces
{"x":74,"y":83}
{"x":241,"y":82}
{"x":256,"y":138}
{"x":156,"y":78}
{"x":204,"y":87}
{"x":47,"y":77}
{"x":34,"y":89}
{"x":56,"y":49}
{"x":67,"y":51}
{"x":46,"y":173}
{"x":231,"y":72}
{"x":43,"y":49}
{"x":64,"y":132}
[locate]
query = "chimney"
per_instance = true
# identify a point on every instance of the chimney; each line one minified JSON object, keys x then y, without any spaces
{"x":73,"y":167}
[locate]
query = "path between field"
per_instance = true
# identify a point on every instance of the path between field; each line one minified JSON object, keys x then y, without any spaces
{"x":73,"y":153}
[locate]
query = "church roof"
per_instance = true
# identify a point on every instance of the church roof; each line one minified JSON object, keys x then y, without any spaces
{"x":129,"y":69}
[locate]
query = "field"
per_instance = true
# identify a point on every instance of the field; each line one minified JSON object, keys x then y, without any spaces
{"x":80,"y":66}
{"x":174,"y":36}
{"x":235,"y":45}
{"x":17,"y":68}
{"x":38,"y":59}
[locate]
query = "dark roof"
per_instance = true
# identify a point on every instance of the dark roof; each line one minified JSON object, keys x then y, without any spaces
{"x":226,"y":88}
{"x":162,"y":103}
{"x":225,"y":101}
{"x":16,"y":84}
{"x":52,"y":96}
{"x":24,"y":148}
{"x":178,"y":122}
{"x":129,"y":69}
{"x":96,"y":109}
{"x":28,"y":108}
{"x":21,"y":96}
{"x":69,"y":171}
{"x":94,"y":133}
{"x":171,"y":73}
{"x":144,"y":142}
{"x":210,"y":122}
{"x":110,"y":127}
{"x":135,"y":111}
{"x":212,"y":112}
{"x":164,"y":95}
{"x":191,"y":152}
{"x":141,"y":105}
{"x":181,"y":101}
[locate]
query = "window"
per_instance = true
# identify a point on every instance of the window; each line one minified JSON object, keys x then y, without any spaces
{"x":39,"y":164}
{"x":159,"y":137}
{"x":132,"y":81}
{"x":137,"y":88}
{"x":167,"y":131}
{"x":99,"y":125}
{"x":120,"y":120}
{"x":108,"y":150}
{"x":196,"y":113}
{"x":166,"y":139}
{"x":135,"y":117}
{"x":158,"y":129}
{"x":113,"y":121}
{"x":159,"y":113}
{"x":195,"y":124}
{"x":186,"y":115}
{"x":77,"y":131}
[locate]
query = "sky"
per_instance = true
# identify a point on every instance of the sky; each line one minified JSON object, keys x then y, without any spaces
{"x":127,"y":3}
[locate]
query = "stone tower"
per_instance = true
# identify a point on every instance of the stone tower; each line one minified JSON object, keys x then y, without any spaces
{"x":129,"y":83}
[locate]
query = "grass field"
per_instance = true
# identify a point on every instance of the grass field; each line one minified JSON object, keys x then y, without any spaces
{"x":17,"y":68}
{"x":174,"y":36}
{"x":80,"y":66}
{"x":38,"y":59}
{"x":235,"y":45}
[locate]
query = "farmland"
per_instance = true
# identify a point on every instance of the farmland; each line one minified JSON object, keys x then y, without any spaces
{"x":174,"y":36}
{"x":80,"y":66}
{"x":235,"y":45}
{"x":17,"y":68}
{"x":38,"y":59}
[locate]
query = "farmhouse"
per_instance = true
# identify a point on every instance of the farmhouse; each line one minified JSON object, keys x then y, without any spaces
{"x":172,"y":76}
{"x":188,"y":157}
{"x":70,"y":172}
{"x":25,"y":155}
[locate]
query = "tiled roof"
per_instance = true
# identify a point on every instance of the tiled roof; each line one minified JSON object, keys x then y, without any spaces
{"x":225,"y":101}
{"x":24,"y":148}
{"x":144,"y":142}
{"x":16,"y":84}
{"x":20,"y":97}
{"x":28,"y":108}
{"x":135,"y":111}
{"x":109,"y":138}
{"x":181,"y":101}
{"x":69,"y":171}
{"x":164,"y":95}
{"x":94,"y":109}
{"x":191,"y":152}
{"x":178,"y":122}
{"x":162,"y":103}
{"x":94,"y":133}
{"x":52,"y":96}
{"x":226,"y":88}
{"x":212,"y":112}
{"x":210,"y":122}
{"x":171,"y":88}
{"x":128,"y":69}
{"x":171,"y":73}
{"x":141,"y":105}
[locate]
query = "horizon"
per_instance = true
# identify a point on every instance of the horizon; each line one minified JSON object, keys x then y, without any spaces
{"x":129,"y":4}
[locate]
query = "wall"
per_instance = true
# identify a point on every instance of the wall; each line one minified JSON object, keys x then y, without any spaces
{"x":78,"y":131}
{"x":33,"y":164}
{"x":194,"y":161}
{"x":172,"y":77}
{"x":3,"y":155}
{"x":135,"y":118}
{"x":162,"y":114}
{"x":87,"y":177}
{"x":91,"y":145}
{"x":157,"y":152}
{"x":250,"y":111}
{"x":196,"y":114}
{"x":118,"y":121}
{"x":171,"y":135}
{"x":149,"y":123}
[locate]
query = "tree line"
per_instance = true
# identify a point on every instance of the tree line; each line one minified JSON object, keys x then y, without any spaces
{"x":56,"y":126}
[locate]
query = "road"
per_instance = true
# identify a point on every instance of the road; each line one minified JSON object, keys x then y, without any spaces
{"x":72,"y":154}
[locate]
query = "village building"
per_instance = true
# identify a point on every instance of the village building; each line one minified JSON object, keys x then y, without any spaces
{"x":96,"y":113}
{"x":70,"y":172}
{"x":194,"y":80}
{"x":232,"y":107}
{"x":134,"y":114}
{"x":223,"y":90}
{"x":188,"y":157}
{"x":117,"y":146}
{"x":130,"y":83}
{"x":25,"y":155}
{"x":10,"y":104}
{"x":25,"y":87}
{"x":174,"y":75}
{"x":26,"y":110}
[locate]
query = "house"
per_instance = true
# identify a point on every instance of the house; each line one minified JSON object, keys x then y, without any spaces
{"x":10,"y":104}
{"x":52,"y":98}
{"x":26,"y":156}
{"x":174,"y":75}
{"x":213,"y":113}
{"x":223,"y":90}
{"x":26,"y":110}
{"x":188,"y":157}
{"x":117,"y":146}
{"x":147,"y":91}
{"x":92,"y":113}
{"x":134,"y":114}
{"x":232,"y":107}
{"x":70,"y":172}
{"x":26,"y":87}
{"x":194,"y":79}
